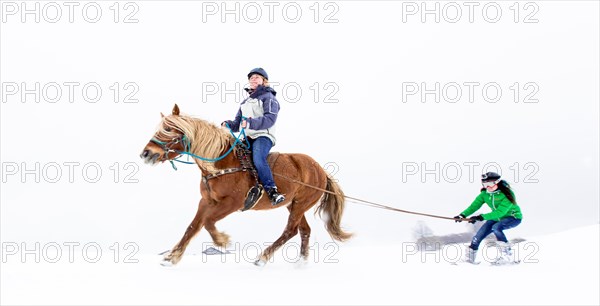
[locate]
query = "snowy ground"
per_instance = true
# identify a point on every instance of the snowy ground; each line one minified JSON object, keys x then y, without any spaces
{"x":560,"y":268}
{"x":394,"y":105}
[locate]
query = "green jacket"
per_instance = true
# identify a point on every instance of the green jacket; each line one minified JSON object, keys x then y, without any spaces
{"x":497,"y":201}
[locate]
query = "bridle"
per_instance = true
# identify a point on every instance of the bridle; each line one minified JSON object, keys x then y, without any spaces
{"x":167,"y":147}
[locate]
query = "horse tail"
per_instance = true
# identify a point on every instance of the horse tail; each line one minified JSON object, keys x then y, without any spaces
{"x":333,"y":206}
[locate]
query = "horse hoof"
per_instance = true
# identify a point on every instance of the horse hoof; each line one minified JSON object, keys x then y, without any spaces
{"x":301,"y":263}
{"x":260,"y":263}
{"x":166,"y":263}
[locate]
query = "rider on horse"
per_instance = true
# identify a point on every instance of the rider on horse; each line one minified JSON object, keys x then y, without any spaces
{"x":257,"y":115}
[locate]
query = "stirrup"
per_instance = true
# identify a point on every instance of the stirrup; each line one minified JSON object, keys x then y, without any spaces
{"x":252,"y":197}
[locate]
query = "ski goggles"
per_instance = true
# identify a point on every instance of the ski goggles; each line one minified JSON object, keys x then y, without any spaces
{"x":490,"y":183}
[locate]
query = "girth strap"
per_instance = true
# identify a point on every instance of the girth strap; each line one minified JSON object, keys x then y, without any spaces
{"x":223,"y":172}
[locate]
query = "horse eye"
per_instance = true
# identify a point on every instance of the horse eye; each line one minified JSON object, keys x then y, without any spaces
{"x":168,"y":128}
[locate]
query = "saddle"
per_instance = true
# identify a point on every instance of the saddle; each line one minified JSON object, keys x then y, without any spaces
{"x":255,"y":193}
{"x":244,"y":155}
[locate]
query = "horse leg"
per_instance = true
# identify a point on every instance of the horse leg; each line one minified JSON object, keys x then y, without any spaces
{"x":226,"y":207}
{"x":174,"y":256}
{"x":304,"y":236}
{"x":290,"y":231}
{"x":220,"y":239}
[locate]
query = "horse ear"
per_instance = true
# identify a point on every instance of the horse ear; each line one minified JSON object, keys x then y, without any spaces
{"x":176,"y":110}
{"x":162,"y":115}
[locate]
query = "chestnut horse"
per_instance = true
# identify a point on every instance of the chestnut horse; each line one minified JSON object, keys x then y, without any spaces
{"x":225,"y":191}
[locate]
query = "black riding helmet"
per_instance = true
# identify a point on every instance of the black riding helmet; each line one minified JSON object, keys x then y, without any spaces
{"x":258,"y":71}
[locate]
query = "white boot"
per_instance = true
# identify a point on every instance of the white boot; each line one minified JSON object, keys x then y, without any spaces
{"x":505,"y":253}
{"x":471,"y":255}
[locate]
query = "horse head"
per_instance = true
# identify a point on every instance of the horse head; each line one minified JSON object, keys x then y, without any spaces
{"x":167,"y":142}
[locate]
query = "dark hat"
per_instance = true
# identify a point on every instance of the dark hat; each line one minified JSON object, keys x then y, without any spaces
{"x":258,"y":71}
{"x":490,"y":176}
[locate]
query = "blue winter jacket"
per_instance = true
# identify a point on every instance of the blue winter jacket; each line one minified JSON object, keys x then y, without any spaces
{"x":260,"y":110}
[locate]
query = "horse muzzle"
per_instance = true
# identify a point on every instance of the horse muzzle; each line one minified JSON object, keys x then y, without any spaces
{"x":150,"y":157}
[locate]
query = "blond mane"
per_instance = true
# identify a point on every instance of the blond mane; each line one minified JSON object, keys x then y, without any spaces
{"x":207,"y":139}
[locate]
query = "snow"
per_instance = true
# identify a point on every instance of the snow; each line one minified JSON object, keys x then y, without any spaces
{"x":560,"y":268}
{"x":350,"y":115}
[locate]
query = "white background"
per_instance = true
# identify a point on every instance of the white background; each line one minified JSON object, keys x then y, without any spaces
{"x":369,"y":137}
